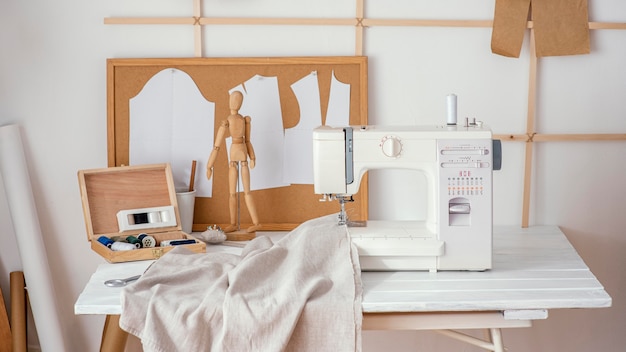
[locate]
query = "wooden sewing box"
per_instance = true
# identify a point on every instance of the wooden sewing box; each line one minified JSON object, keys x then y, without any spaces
{"x":106,"y":192}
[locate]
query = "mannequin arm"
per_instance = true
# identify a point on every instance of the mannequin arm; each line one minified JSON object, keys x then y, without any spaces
{"x":219,"y":138}
{"x":249,"y":147}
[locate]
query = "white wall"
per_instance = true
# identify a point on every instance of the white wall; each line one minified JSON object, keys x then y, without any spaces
{"x":52,"y":82}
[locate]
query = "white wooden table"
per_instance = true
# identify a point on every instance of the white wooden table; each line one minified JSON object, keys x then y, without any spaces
{"x":534,"y":270}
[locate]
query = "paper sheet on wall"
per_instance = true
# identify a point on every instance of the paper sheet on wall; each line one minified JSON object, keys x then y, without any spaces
{"x":298,"y":140}
{"x":338,"y":113}
{"x":172,"y":122}
{"x":261,"y":101}
{"x":561,"y":27}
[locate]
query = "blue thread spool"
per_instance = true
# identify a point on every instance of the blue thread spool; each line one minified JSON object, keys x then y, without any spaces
{"x":146,"y":240}
{"x":106,"y":241}
{"x":176,"y":242}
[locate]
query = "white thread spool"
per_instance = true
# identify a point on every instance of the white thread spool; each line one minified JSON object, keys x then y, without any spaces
{"x":451,"y":112}
{"x":122,"y":246}
{"x":165,"y":216}
{"x":147,"y":240}
{"x":154,"y":217}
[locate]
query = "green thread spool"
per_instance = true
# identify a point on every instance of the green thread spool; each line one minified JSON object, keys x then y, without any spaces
{"x":134,"y":240}
{"x":119,"y":239}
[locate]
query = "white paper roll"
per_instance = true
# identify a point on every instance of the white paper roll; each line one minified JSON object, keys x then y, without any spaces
{"x":451,"y":115}
{"x":30,"y":244}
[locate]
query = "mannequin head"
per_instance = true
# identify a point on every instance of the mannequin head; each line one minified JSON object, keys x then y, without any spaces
{"x":236,"y":99}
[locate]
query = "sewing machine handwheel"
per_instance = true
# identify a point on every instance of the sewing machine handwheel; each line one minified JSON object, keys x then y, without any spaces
{"x":392,"y":147}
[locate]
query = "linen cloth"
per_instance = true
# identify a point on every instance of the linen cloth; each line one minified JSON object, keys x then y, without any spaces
{"x":302,"y":293}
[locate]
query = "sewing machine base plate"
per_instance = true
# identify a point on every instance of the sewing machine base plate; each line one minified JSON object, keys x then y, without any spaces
{"x":406,"y":246}
{"x":357,"y":223}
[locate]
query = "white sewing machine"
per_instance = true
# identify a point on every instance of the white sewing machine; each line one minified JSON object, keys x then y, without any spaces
{"x":457,"y":162}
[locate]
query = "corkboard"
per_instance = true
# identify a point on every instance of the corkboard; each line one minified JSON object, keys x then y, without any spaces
{"x":278,"y":208}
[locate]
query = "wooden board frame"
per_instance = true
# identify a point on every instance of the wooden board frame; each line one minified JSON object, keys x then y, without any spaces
{"x":278,"y":208}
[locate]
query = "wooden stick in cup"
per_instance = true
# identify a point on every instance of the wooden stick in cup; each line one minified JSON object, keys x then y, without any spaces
{"x":192,"y":179}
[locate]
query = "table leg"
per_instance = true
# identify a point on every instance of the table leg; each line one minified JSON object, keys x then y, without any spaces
{"x":113,"y":337}
{"x":484,"y":344}
{"x":496,"y":339}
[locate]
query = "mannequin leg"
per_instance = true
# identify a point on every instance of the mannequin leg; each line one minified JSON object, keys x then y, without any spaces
{"x":245,"y":178}
{"x":233,"y":175}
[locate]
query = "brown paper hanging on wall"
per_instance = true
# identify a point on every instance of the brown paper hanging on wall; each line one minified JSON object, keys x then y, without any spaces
{"x":561,"y":27}
{"x":509,"y":26}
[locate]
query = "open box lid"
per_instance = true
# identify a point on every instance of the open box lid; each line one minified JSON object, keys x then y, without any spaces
{"x":108,"y":191}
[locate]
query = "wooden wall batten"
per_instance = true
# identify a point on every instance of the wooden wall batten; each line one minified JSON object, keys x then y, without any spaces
{"x":361,"y":22}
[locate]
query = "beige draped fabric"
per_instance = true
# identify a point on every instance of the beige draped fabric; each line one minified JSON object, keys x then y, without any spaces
{"x":302,"y":293}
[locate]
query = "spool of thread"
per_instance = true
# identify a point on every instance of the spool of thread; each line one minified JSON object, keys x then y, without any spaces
{"x":451,"y":111}
{"x":165,"y":216}
{"x":119,"y":239}
{"x":141,"y":218}
{"x":176,"y":242}
{"x":122,"y":246}
{"x":106,"y":241}
{"x":134,"y":240}
{"x":147,"y":241}
{"x":154,"y":217}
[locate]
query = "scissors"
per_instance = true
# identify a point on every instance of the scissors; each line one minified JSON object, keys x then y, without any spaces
{"x":121,"y":282}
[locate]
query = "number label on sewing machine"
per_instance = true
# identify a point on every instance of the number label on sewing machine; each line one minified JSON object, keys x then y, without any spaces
{"x":465,"y":202}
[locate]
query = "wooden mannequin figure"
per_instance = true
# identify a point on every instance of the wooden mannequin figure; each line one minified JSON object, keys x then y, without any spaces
{"x":238,"y":127}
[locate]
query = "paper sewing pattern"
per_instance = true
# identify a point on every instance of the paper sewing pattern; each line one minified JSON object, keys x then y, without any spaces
{"x":261,"y":102}
{"x":338,"y":113}
{"x":172,"y":122}
{"x":298,"y":140}
{"x":561,"y":27}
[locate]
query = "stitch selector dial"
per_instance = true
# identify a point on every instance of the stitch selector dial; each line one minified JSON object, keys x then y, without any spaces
{"x":391,"y":146}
